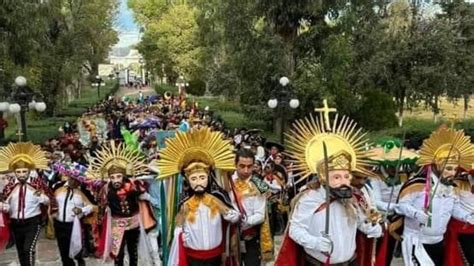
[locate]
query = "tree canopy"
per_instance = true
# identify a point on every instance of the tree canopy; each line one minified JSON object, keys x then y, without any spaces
{"x":337,"y":50}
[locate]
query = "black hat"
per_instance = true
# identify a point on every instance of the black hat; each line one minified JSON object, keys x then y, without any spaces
{"x":269,"y":145}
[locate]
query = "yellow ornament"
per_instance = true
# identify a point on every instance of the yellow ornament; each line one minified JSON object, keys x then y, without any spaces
{"x":198,"y":145}
{"x":444,"y":143}
{"x":22,"y":155}
{"x":345,"y":145}
{"x":115,"y":158}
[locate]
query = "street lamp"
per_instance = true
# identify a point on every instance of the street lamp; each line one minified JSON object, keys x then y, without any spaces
{"x":98,"y":83}
{"x":23,"y":99}
{"x":283,"y":99}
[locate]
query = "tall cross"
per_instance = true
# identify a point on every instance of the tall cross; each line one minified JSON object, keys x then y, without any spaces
{"x":325,"y":110}
{"x":20,"y":134}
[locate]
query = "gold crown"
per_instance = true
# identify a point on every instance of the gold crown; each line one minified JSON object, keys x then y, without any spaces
{"x":113,"y":158}
{"x":195,"y":167}
{"x":345,"y":146}
{"x":197,"y":145}
{"x":339,"y":161}
{"x":446,"y":142}
{"x":22,"y":155}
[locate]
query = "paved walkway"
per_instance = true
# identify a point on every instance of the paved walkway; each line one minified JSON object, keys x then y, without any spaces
{"x":124,"y":91}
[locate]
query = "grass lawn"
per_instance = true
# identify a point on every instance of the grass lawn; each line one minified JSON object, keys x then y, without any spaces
{"x":41,"y":128}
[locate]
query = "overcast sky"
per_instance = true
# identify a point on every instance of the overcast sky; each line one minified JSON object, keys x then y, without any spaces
{"x":128,"y":30}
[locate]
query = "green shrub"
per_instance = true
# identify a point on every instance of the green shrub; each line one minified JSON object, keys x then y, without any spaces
{"x":196,"y":87}
{"x":377,"y":111}
{"x":162,"y":88}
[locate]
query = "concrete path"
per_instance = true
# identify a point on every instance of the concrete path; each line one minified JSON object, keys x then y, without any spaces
{"x":124,"y":91}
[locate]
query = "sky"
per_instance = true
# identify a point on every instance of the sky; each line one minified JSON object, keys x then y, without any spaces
{"x":128,"y":30}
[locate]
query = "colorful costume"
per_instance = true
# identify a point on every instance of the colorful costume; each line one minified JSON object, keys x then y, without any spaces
{"x":312,"y":237}
{"x":428,"y":201}
{"x":393,"y":165}
{"x":459,"y":237}
{"x":205,"y":212}
{"x":73,"y":204}
{"x":127,"y":215}
{"x":26,"y":197}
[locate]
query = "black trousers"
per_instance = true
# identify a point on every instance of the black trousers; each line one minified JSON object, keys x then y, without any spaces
{"x":211,"y":262}
{"x":436,"y":252}
{"x":63,"y":236}
{"x":310,"y":261}
{"x":252,"y":256}
{"x":130,"y":238}
{"x":467,"y":244}
{"x":26,"y":233}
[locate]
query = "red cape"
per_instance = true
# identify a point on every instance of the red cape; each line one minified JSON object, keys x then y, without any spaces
{"x":292,"y":254}
{"x":4,"y":231}
{"x":453,"y":253}
{"x":364,"y":249}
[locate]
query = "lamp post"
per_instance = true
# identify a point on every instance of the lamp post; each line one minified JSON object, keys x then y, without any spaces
{"x":283,"y":99}
{"x":98,"y":83}
{"x":23,"y":99}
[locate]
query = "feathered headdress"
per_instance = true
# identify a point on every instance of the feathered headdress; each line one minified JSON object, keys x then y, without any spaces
{"x":22,"y":155}
{"x":74,"y":170}
{"x":447,"y":145}
{"x":200,"y":145}
{"x":345,"y":145}
{"x":115,"y":156}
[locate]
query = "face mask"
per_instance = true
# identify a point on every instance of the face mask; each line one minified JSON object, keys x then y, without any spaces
{"x":342,"y":192}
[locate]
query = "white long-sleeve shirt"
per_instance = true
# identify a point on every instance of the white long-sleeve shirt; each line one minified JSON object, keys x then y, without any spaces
{"x":32,"y":202}
{"x":381,"y":193}
{"x":76,"y":199}
{"x":254,"y":206}
{"x":306,"y":225}
{"x":205,"y":233}
{"x":445,"y":204}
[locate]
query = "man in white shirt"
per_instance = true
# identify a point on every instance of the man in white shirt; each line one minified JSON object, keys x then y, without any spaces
{"x":309,"y":216}
{"x":24,"y":196}
{"x":72,"y":204}
{"x":250,"y":195}
{"x":428,"y":201}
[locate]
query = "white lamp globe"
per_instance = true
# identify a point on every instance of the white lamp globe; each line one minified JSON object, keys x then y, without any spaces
{"x":40,"y":107}
{"x":20,"y":81}
{"x":206,"y":108}
{"x":4,"y":106}
{"x":284,"y":81}
{"x":272,"y":103}
{"x":14,"y":108}
{"x":294,"y":103}
{"x":32,"y":104}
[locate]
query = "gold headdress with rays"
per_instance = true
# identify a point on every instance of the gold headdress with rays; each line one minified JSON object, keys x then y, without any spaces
{"x":198,"y":145}
{"x":446,"y":142}
{"x":22,"y":155}
{"x":345,"y":145}
{"x":115,"y":158}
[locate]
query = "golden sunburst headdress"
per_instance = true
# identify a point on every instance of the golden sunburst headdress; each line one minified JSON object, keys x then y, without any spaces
{"x":115,"y":158}
{"x":446,"y":142}
{"x":198,"y":145}
{"x":345,"y":145}
{"x":22,"y":155}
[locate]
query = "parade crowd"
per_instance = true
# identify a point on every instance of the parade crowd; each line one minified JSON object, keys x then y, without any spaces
{"x":164,"y":182}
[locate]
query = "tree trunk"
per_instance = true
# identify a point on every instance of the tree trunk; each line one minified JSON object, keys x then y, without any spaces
{"x":435,"y":109}
{"x":466,"y":98}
